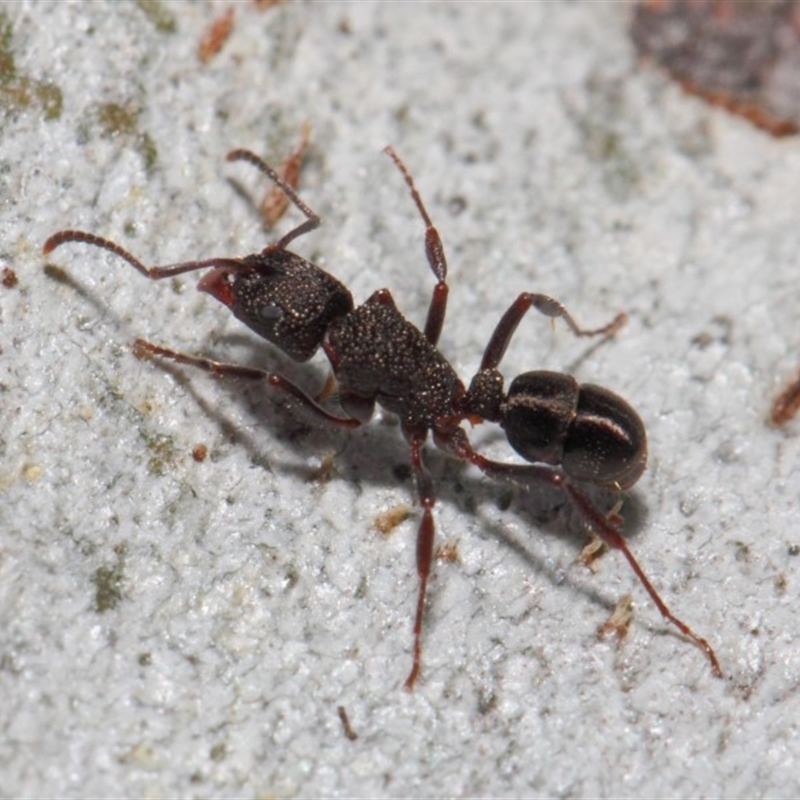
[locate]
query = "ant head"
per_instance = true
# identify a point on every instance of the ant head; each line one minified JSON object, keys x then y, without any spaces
{"x":282,"y":297}
{"x":588,"y":431}
{"x":593,"y":434}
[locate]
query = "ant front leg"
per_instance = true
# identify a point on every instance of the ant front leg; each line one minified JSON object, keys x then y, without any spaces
{"x":507,"y":326}
{"x":434,"y":250}
{"x":143,"y":349}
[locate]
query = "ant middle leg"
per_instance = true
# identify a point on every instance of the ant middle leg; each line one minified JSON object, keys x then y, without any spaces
{"x":145,"y":350}
{"x":507,"y":326}
{"x":434,"y":250}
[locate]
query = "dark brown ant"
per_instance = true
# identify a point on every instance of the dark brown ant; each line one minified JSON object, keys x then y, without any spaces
{"x":571,"y":433}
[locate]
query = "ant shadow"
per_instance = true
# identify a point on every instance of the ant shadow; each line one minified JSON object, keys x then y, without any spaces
{"x":540,"y":508}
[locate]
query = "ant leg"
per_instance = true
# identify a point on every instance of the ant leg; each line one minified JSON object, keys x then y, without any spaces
{"x":435,"y":254}
{"x":505,"y":329}
{"x":143,"y":349}
{"x":312,"y":220}
{"x":425,"y":537}
{"x":611,"y":536}
{"x":456,"y":443}
{"x":154,"y":273}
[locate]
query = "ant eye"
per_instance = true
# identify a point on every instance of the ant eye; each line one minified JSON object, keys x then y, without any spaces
{"x":270,"y":313}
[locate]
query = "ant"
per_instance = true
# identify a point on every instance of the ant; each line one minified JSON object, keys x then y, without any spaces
{"x":570,"y":433}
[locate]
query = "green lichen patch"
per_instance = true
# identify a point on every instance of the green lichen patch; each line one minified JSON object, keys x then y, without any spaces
{"x":159,"y":15}
{"x":164,"y":453}
{"x":21,"y":92}
{"x":8,"y":68}
{"x":49,"y":97}
{"x":107,"y":581}
{"x":116,"y":120}
{"x":218,"y":752}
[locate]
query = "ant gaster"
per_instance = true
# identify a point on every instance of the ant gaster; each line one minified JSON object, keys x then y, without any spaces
{"x":571,"y":433}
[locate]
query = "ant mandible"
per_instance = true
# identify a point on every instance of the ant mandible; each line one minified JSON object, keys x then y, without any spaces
{"x":570,"y":433}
